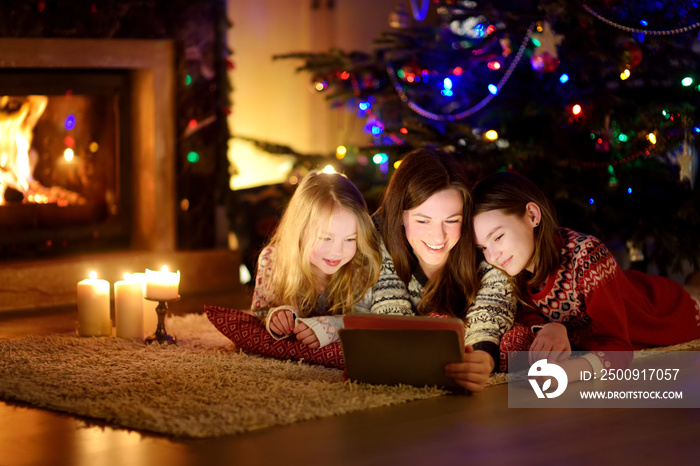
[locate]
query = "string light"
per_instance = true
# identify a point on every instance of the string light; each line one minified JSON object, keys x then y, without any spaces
{"x":564,"y":78}
{"x":491,"y":135}
{"x":652,"y":138}
{"x":193,"y":157}
{"x":576,"y":109}
{"x":70,"y":122}
{"x":687,"y":81}
{"x":625,"y":74}
{"x":340,"y":152}
{"x":380,"y":158}
{"x":447,"y":91}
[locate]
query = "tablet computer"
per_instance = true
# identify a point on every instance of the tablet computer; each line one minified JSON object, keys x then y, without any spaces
{"x":393,"y":350}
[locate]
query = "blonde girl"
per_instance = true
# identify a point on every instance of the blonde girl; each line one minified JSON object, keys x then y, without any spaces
{"x":322,"y":259}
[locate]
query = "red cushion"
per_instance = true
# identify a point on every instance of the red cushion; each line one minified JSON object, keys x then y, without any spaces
{"x":248,"y":333}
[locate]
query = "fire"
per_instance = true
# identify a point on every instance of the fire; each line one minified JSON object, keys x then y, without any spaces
{"x":18,"y":116}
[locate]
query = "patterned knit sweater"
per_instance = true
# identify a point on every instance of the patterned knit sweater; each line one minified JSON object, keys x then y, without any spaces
{"x":611,"y":311}
{"x":491,"y":314}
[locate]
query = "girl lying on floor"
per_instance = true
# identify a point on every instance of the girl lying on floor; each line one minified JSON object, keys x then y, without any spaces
{"x":322,"y":259}
{"x":574,"y":293}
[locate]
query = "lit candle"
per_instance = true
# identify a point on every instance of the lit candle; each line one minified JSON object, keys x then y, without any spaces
{"x":150,"y":317}
{"x":128,"y":307}
{"x":162,"y":285}
{"x":93,"y":307}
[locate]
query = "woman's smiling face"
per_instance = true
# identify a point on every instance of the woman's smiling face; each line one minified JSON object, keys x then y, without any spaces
{"x":433,"y":228}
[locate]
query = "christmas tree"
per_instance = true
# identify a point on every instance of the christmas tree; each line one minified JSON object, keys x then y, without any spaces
{"x":595,"y":101}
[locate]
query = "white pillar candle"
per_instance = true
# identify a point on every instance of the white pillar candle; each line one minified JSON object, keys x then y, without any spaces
{"x":128,"y":307}
{"x":162,"y":285}
{"x":150,"y":317}
{"x":93,"y":307}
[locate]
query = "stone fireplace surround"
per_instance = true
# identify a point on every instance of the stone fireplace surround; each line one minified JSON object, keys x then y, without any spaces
{"x":151,"y":64}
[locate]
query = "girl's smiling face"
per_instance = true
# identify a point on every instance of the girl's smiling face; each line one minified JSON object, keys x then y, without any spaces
{"x":433,"y":228}
{"x":507,"y":241}
{"x":335,"y":245}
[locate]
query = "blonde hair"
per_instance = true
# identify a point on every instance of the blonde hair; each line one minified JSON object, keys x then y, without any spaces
{"x":293,"y":281}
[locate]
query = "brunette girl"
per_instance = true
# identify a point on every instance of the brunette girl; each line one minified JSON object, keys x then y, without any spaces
{"x":576,"y":295}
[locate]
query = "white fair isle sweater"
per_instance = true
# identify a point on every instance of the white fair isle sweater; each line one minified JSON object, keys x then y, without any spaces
{"x":491,"y":314}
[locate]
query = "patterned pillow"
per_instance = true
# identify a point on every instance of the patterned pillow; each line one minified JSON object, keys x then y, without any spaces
{"x":249,"y":333}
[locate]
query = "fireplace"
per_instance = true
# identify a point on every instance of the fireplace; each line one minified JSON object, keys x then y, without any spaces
{"x":144,"y":189}
{"x":64,"y":162}
{"x":143,"y":73}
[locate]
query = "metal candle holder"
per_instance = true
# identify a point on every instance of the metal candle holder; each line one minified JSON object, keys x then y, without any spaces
{"x":161,"y":337}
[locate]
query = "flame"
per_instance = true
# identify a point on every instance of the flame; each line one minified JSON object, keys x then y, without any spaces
{"x":18,"y":116}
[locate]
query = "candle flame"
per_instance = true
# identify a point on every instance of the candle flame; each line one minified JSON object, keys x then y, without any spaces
{"x":93,"y":275}
{"x":127,"y":275}
{"x":164,"y":269}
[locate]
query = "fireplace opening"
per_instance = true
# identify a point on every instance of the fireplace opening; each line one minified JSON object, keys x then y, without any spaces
{"x":64,"y":162}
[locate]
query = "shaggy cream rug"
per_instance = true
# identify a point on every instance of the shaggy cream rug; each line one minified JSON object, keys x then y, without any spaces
{"x":203,"y":387}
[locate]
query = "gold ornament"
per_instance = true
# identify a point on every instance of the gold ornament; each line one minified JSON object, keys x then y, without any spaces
{"x":688,"y":161}
{"x":548,"y":41}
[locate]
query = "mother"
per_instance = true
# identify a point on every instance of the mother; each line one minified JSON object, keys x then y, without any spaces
{"x":429,"y":262}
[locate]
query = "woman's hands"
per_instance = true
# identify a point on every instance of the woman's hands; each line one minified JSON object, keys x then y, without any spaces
{"x":551,"y":343}
{"x":282,"y":322}
{"x":474,"y":370}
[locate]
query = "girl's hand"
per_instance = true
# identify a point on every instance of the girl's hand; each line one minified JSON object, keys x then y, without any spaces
{"x":306,"y":335}
{"x":551,"y":343}
{"x":282,"y":322}
{"x":474,"y":370}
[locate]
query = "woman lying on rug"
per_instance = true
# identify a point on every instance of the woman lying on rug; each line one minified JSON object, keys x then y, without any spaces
{"x":574,"y":293}
{"x":429,"y":263}
{"x":322,"y":259}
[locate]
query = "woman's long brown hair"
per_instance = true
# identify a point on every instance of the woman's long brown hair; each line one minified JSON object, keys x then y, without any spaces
{"x":422,"y":173}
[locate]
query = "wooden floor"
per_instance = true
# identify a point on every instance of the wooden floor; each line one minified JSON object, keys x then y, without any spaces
{"x":460,"y":430}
